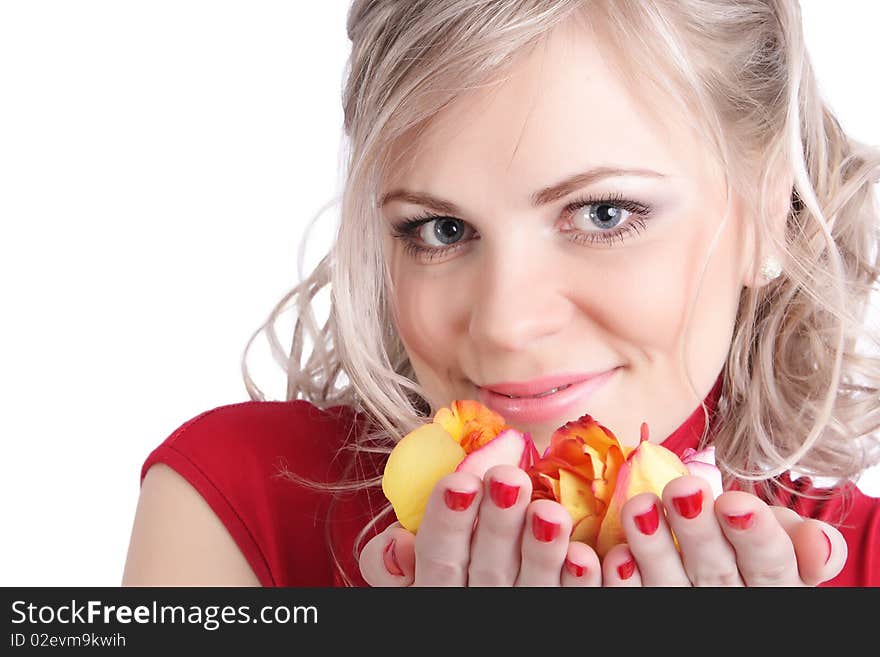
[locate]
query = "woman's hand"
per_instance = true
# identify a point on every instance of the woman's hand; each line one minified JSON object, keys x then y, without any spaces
{"x":737,"y":540}
{"x":482,"y":533}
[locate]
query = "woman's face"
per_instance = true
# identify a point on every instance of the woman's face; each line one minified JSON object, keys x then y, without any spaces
{"x":523,"y":285}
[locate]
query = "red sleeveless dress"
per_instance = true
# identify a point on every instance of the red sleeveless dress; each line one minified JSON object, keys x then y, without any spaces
{"x":233,"y":456}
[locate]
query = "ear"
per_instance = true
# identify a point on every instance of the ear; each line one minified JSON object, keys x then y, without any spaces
{"x":773,"y":219}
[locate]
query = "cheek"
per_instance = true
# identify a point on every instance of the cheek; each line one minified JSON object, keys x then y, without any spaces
{"x":645,"y":303}
{"x":642,"y":303}
{"x":425,"y":324}
{"x":420,"y":318}
{"x":716,"y":308}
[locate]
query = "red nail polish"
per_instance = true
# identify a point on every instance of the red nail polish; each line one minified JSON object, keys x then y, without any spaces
{"x":626,"y":569}
{"x":689,"y":506}
{"x":390,"y":560}
{"x":544,"y":530}
{"x":458,"y":501}
{"x":575,"y":569}
{"x":828,"y":545}
{"x":649,"y":521}
{"x":504,"y":495}
{"x":742,"y":521}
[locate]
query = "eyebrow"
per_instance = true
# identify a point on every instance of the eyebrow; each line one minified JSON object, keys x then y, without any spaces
{"x":539,"y":198}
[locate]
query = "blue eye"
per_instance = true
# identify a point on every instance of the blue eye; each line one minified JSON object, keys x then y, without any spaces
{"x":447,"y":228}
{"x":614,"y":217}
{"x":603,"y":215}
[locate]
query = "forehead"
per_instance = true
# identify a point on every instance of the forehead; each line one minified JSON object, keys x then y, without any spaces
{"x":561,"y":109}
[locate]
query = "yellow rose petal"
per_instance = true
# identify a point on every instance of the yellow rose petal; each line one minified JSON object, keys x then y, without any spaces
{"x":647,"y":470}
{"x":575,"y":495}
{"x":586,"y":530}
{"x":654,"y":466}
{"x":415,"y":465}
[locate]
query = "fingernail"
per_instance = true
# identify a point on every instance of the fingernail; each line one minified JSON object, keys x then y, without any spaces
{"x":742,"y":521}
{"x":827,"y":545}
{"x":689,"y":506}
{"x":575,"y":569}
{"x":626,"y":569}
{"x":390,"y":560}
{"x":544,"y":530}
{"x":458,"y":501}
{"x":648,"y":521}
{"x":504,"y":495}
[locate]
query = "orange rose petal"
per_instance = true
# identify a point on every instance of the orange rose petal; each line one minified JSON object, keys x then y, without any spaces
{"x":552,"y":485}
{"x":575,"y":455}
{"x":470,"y":423}
{"x":613,"y":461}
{"x":593,"y":433}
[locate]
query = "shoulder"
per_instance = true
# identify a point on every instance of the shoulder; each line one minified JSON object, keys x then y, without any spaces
{"x":255,"y":429}
{"x":177,"y":540}
{"x":234,"y":457}
{"x":855,"y":514}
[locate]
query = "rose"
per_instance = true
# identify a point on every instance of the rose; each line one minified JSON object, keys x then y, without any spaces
{"x":592,"y":475}
{"x":467,"y":436}
{"x":579,"y":470}
{"x":585,"y":468}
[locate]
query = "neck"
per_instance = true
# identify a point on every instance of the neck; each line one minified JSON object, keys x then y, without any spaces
{"x":691,"y":430}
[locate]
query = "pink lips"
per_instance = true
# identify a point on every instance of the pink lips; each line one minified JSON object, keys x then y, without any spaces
{"x":563,"y":405}
{"x":537,"y":386}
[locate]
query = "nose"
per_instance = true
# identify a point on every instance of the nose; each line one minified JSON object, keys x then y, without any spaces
{"x":518,"y":298}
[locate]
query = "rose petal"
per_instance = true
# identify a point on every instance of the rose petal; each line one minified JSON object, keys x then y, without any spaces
{"x":575,"y":495}
{"x":702,"y":464}
{"x":415,"y":465}
{"x":648,"y":468}
{"x":706,"y":455}
{"x":586,"y":530}
{"x":470,"y":423}
{"x":530,"y":455}
{"x":708,"y":472}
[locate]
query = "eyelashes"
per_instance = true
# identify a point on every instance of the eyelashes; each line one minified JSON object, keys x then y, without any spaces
{"x":407,"y":230}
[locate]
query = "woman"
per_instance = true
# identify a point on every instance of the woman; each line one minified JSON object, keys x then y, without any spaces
{"x":649,"y":201}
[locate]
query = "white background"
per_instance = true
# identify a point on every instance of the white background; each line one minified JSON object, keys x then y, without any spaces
{"x":159,"y":162}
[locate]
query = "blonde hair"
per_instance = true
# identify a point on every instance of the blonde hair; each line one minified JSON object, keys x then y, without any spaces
{"x":799,"y":388}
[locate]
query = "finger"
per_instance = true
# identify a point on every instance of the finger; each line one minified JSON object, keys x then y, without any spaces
{"x":651,"y":543}
{"x":582,"y":567}
{"x":443,"y":541}
{"x":388,"y":558}
{"x":544,"y":544}
{"x":708,"y":558}
{"x":619,"y":568}
{"x":821,"y":551}
{"x":787,"y":518}
{"x":764,"y":552}
{"x":496,"y":547}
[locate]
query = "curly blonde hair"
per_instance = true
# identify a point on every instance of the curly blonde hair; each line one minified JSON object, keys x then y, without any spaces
{"x":801,"y":388}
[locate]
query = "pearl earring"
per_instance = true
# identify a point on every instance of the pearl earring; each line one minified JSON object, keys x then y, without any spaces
{"x":770,"y":268}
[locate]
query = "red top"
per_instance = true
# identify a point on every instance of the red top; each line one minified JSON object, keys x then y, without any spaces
{"x":232,"y":456}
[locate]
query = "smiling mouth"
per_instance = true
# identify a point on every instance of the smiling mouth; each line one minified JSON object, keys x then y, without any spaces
{"x":543,"y":394}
